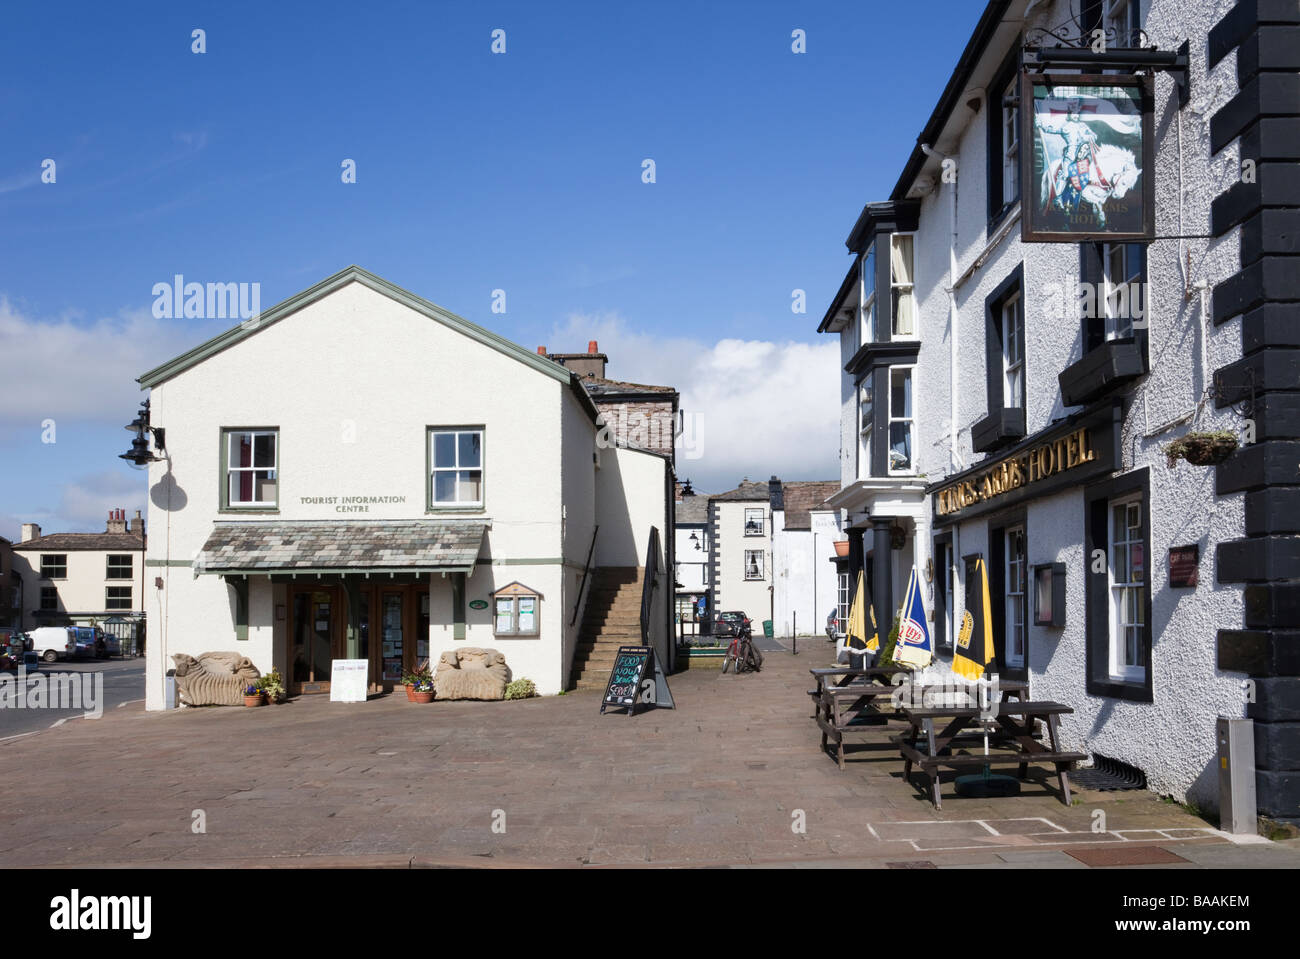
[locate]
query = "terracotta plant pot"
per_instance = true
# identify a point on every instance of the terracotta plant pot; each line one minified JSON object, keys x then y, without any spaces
{"x":424,"y":697}
{"x":842,"y":547}
{"x":253,"y":700}
{"x":410,"y":692}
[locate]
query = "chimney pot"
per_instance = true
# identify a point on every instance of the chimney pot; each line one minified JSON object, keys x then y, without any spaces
{"x":541,"y":351}
{"x":591,"y":347}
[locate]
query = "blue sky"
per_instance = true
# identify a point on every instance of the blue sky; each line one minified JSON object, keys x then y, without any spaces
{"x":475,"y":171}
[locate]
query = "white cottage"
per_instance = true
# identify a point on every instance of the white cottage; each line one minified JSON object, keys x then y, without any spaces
{"x":358,"y":473}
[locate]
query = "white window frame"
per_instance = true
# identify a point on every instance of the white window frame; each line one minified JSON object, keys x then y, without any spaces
{"x":113,"y":572}
{"x":866,"y":420}
{"x":867,"y":300}
{"x":842,"y":602}
{"x":514,"y":603}
{"x":908,"y":289}
{"x":1121,"y":631}
{"x":457,"y":468}
{"x":1118,"y":327}
{"x":762,"y":564}
{"x":911,"y":420}
{"x":762,"y":522}
{"x":274,"y":470}
{"x":1017,"y":598}
{"x":1013,"y":363}
{"x":1010,"y":143}
{"x":47,"y":561}
{"x":1125,"y":17}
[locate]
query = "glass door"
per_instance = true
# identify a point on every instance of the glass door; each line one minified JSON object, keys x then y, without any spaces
{"x":315,"y":646}
{"x":392,"y":635}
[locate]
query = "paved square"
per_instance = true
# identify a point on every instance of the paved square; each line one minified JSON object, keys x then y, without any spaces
{"x":733,"y":776}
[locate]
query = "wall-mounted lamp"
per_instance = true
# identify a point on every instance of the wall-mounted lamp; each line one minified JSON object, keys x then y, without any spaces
{"x":139,"y":455}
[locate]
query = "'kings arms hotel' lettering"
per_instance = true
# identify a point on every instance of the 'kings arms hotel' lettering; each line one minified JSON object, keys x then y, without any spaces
{"x":1034,"y":464}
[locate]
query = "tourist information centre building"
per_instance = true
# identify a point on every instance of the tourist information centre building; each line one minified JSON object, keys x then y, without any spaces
{"x":360,"y":474}
{"x":1088,"y":257}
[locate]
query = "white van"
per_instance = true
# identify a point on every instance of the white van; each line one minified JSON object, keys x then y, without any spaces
{"x":50,"y":642}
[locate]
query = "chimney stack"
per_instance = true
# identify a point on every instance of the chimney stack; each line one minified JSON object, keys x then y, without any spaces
{"x":116,"y":521}
{"x":136,"y":527}
{"x":31,"y":531}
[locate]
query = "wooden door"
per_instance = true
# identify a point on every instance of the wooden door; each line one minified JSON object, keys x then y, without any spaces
{"x":316,"y":636}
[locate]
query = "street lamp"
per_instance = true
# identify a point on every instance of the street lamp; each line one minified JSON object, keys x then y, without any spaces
{"x":139,"y":455}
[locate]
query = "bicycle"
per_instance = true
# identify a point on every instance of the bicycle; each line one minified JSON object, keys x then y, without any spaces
{"x":742,"y":653}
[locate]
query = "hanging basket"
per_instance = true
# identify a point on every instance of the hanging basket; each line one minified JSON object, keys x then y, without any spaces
{"x":1201,"y":449}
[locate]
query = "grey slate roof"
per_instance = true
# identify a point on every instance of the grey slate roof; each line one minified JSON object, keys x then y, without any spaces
{"x":345,"y":545}
{"x":693,"y":510}
{"x":746,"y":491}
{"x":70,"y":542}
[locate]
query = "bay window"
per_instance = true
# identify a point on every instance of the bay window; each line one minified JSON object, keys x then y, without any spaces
{"x":901,"y":287}
{"x":902,"y":422}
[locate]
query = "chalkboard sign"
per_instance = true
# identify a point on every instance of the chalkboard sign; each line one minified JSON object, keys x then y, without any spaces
{"x":637,"y":679}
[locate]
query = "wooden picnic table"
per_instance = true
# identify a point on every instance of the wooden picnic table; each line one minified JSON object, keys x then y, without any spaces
{"x":851,"y":704}
{"x":1016,"y":727}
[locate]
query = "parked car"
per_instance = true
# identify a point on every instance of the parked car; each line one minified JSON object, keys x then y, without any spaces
{"x":85,"y":642}
{"x":51,"y":642}
{"x":729,"y":621}
{"x":112,"y":646}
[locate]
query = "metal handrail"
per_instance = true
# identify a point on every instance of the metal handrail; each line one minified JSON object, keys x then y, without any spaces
{"x":586,"y":571}
{"x":648,"y":584}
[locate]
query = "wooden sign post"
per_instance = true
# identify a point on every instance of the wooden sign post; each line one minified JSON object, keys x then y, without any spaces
{"x":637,"y":679}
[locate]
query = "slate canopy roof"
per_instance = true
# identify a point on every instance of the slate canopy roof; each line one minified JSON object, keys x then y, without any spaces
{"x":234,"y":548}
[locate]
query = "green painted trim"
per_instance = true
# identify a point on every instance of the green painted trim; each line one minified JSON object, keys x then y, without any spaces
{"x":540,"y":561}
{"x":334,"y":571}
{"x":352,"y":590}
{"x":458,"y":606}
{"x":160,"y":374}
{"x":240,"y":586}
{"x":223,"y":487}
{"x":169,"y":562}
{"x":429,"y":505}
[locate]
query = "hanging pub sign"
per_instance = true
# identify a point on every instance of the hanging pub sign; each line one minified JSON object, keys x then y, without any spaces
{"x":1086,"y":158}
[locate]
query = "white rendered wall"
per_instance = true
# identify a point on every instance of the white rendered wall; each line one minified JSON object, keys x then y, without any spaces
{"x":352,"y":412}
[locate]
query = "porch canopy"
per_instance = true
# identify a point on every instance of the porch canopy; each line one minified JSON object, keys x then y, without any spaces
{"x":400,"y":546}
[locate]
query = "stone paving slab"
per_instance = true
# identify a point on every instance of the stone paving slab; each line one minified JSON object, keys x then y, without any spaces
{"x":733,"y":776}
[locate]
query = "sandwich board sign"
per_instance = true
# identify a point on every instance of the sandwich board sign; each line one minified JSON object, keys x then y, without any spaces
{"x":348,"y":680}
{"x":637,"y":679}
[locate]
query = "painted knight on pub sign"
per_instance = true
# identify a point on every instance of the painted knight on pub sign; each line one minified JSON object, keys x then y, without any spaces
{"x":1087,"y":169}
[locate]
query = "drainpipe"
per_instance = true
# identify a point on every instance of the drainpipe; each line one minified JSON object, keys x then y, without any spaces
{"x":952,"y":307}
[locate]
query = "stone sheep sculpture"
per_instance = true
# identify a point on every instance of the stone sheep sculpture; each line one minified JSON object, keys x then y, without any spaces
{"x":214,"y":679}
{"x":471,"y":673}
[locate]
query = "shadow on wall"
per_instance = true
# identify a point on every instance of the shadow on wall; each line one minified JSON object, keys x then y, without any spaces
{"x":167,"y":495}
{"x":616,"y":543}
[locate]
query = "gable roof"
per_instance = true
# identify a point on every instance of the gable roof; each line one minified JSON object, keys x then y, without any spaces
{"x":746,"y":491}
{"x":355,"y":274}
{"x":802,"y":497}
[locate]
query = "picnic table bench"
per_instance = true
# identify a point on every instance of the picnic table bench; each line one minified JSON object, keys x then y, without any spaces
{"x":1019,"y":735}
{"x":851,"y":704}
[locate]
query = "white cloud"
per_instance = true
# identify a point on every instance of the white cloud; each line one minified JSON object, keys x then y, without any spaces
{"x":760,"y":408}
{"x":83,"y":504}
{"x":69,"y":370}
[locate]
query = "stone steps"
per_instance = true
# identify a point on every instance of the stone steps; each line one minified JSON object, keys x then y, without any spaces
{"x":612,"y":618}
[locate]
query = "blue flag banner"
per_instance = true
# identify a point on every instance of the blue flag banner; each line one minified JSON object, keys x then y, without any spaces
{"x":914,"y":646}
